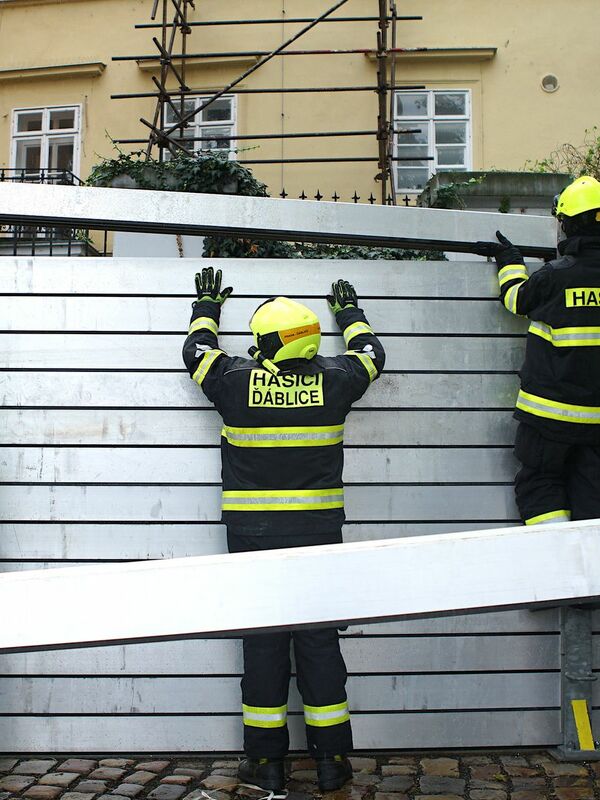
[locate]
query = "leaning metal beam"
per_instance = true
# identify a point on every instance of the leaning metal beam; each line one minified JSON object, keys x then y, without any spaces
{"x":423,"y":576}
{"x":267,"y":218}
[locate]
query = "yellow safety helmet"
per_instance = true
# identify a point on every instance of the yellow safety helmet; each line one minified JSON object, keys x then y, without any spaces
{"x":284,"y":329}
{"x":580,"y":196}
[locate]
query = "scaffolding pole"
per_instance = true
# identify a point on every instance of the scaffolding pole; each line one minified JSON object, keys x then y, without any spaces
{"x":290,"y":20}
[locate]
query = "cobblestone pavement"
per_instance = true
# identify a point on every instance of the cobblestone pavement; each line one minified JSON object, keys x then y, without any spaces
{"x":482,"y":776}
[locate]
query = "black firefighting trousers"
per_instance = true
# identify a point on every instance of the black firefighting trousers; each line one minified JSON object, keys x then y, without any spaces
{"x":557,"y":481}
{"x":321,"y":676}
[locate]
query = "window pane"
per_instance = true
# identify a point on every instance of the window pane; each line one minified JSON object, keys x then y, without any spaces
{"x":413,"y":138}
{"x":28,"y":154}
{"x":221,"y":140}
{"x":451,"y":155}
{"x":412,"y":152}
{"x":62,"y":118}
{"x":411,"y":105}
{"x":450,"y":132}
{"x":218,"y":111}
{"x":171,"y":117}
{"x":447,"y":104}
{"x":29,"y":121}
{"x":412,"y":178}
{"x":60,"y":154}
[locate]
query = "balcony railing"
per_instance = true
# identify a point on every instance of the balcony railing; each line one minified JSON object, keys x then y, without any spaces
{"x":44,"y":241}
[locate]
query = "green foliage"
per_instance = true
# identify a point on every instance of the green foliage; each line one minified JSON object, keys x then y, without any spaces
{"x":214,"y":173}
{"x":575,"y":160}
{"x":448,"y":195}
{"x":505,"y":204}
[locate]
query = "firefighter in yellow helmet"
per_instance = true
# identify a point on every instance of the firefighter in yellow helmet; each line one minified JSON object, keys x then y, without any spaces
{"x":558,"y":406}
{"x":282,"y":458}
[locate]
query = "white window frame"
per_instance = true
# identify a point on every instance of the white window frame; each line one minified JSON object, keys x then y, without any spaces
{"x":199,"y":125}
{"x":45,"y":134}
{"x":429,"y":120}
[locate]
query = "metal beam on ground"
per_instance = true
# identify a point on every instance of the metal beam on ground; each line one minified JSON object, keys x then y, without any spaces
{"x":268,"y":218}
{"x":407,"y":578}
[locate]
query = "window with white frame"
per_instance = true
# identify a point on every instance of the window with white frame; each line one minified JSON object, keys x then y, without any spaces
{"x":443,"y":119}
{"x":211,"y":128}
{"x":46,"y":141}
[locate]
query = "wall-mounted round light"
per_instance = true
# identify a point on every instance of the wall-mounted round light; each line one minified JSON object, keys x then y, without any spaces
{"x":550,"y":83}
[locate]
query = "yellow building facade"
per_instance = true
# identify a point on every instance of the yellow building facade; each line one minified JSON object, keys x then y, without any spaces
{"x":503,"y":83}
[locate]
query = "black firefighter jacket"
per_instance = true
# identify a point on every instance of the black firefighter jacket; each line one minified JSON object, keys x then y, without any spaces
{"x":282,"y":439}
{"x":560,"y":379}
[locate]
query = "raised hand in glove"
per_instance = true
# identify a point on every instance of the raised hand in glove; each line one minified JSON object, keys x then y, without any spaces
{"x":506,"y":252}
{"x":343,"y":295}
{"x":208,"y":286}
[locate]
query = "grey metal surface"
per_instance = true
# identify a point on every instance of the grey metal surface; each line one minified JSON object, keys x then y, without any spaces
{"x":371,"y":731}
{"x":222,"y":695}
{"x":176,"y":390}
{"x":403,"y":353}
{"x":171,"y":315}
{"x":144,"y":465}
{"x":203,"y":503}
{"x":203,"y":427}
{"x":295,"y":220}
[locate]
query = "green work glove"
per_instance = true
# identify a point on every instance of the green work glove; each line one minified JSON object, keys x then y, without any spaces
{"x":343,"y":295}
{"x":208,"y":286}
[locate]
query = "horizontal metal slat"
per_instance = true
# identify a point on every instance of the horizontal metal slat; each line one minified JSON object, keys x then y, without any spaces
{"x":175,"y":276}
{"x":223,"y":695}
{"x":262,"y":217}
{"x":172,"y":315}
{"x":203,"y":503}
{"x":203,"y":427}
{"x":192,"y":734}
{"x":92,"y":465}
{"x":363,"y":655}
{"x":43,"y":389}
{"x":145,"y":352}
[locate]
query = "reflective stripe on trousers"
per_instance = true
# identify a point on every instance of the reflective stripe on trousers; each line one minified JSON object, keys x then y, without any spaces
{"x":550,"y":518}
{"x":566,"y":337}
{"x":326,"y":716}
{"x":553,"y":409}
{"x":257,"y":717}
{"x":317,"y":436}
{"x":283,"y":500}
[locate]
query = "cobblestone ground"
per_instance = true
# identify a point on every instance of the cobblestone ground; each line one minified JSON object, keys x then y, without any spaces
{"x":482,"y":776}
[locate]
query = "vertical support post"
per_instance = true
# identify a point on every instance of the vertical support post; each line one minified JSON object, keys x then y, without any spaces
{"x":576,"y":682}
{"x":382,"y":84}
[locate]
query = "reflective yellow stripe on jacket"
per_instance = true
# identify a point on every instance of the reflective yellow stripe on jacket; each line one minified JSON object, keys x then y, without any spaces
{"x":511,"y":296}
{"x":316,"y":436}
{"x":366,"y":361}
{"x":566,"y":337}
{"x":204,"y":323}
{"x":511,"y":272}
{"x":355,"y":330}
{"x":207,"y":361}
{"x":552,"y":409}
{"x":267,"y":717}
{"x":326,"y":716}
{"x":283,"y":500}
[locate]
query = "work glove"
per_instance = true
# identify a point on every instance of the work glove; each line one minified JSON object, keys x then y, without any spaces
{"x":506,"y":252}
{"x":208,"y":286}
{"x":343,"y":295}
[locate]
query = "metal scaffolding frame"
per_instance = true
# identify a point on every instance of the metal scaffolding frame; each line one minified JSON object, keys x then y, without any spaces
{"x":171,"y":137}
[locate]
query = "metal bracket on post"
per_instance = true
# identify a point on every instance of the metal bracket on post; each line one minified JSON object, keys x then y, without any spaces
{"x":576,"y":682}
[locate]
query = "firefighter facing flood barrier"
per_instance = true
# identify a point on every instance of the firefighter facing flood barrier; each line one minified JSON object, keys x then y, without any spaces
{"x":282,"y":459}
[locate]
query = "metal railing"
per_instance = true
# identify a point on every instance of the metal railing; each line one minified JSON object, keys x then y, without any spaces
{"x":18,"y":240}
